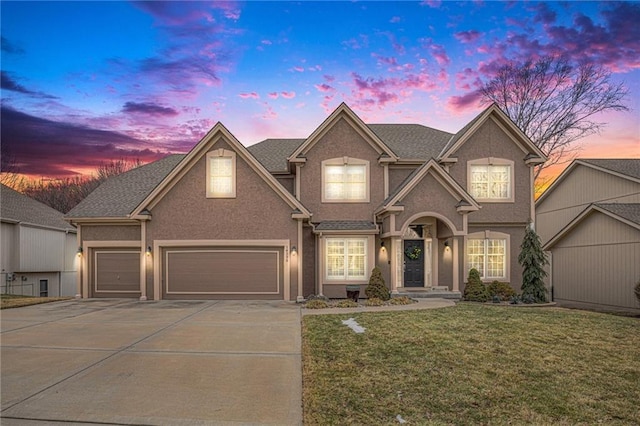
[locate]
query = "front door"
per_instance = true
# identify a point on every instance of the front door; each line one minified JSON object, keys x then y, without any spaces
{"x":414,"y":263}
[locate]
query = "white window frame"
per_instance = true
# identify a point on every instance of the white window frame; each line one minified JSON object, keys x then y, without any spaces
{"x":347,"y":277}
{"x":489,"y":162}
{"x":485,"y":237}
{"x":221,"y":153}
{"x":346,"y":162}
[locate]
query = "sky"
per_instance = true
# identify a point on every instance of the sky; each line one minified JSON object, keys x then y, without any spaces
{"x":84,"y":83}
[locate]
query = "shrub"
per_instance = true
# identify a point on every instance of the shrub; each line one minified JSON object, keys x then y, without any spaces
{"x":637,"y":290}
{"x":377,"y":287}
{"x":374,"y":301}
{"x":403,"y":300}
{"x":316,"y":304}
{"x":475,"y":290}
{"x":502,"y":290}
{"x":317,"y":297}
{"x":346,"y":303}
{"x":533,"y":260}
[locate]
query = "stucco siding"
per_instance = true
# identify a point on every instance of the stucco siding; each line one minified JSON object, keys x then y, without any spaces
{"x":341,"y":140}
{"x":490,"y":140}
{"x":287,"y":182}
{"x":309,"y":262}
{"x":429,"y":196}
{"x":580,"y":187}
{"x":110,"y":232}
{"x":397,"y":175}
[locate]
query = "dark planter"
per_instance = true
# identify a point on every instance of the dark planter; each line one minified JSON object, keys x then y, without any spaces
{"x":353,"y":292}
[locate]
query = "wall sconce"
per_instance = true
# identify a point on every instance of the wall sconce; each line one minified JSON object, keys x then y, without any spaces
{"x":148,"y":252}
{"x":446,"y":243}
{"x":382,"y":244}
{"x":294,"y":250}
{"x":79,"y":251}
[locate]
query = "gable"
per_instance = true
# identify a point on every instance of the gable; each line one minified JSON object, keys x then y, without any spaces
{"x":343,"y":112}
{"x":217,"y":138}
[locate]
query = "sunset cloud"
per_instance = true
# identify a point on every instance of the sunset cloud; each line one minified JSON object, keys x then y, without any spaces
{"x":251,"y":95}
{"x":149,"y":109}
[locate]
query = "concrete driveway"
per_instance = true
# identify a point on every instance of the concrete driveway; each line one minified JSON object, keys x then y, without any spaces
{"x":152,"y":363}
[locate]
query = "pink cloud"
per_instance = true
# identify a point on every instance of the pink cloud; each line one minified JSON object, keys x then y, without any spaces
{"x":469,"y":101}
{"x":468,"y":36}
{"x":432,"y":3}
{"x":297,"y":69}
{"x":395,"y":20}
{"x":251,"y":95}
{"x":357,"y":43}
{"x":266,"y":42}
{"x":273,"y":95}
{"x":329,"y":78}
{"x":440,"y":54}
{"x":384,"y":60}
{"x":288,"y":95}
{"x":323,"y":87}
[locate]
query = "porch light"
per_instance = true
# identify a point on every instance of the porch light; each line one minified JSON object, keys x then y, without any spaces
{"x":294,"y":250}
{"x":382,"y":244}
{"x":446,"y":243}
{"x":79,"y":251}
{"x":148,"y":252}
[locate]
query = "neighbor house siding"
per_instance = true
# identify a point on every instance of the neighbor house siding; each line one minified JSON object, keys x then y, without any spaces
{"x":597,"y":263}
{"x":41,"y":250}
{"x":580,"y":187}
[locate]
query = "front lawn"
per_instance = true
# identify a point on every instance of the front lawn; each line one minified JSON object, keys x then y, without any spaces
{"x":17,"y":301}
{"x":472,"y":364}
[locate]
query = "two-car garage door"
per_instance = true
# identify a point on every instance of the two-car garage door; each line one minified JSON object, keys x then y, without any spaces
{"x":219,"y":272}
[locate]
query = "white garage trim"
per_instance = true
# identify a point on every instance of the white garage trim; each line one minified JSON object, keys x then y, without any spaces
{"x":87,"y":245}
{"x":158,"y":245}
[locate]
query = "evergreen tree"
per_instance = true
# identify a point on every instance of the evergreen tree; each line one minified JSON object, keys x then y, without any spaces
{"x":533,"y":260}
{"x":475,"y":290}
{"x":377,"y":287}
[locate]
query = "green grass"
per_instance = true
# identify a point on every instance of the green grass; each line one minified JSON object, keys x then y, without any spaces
{"x":472,"y":364}
{"x":17,"y":301}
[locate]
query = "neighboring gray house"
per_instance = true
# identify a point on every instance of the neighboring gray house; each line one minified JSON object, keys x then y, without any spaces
{"x":38,"y":248}
{"x":287,"y":218}
{"x":589,"y":221}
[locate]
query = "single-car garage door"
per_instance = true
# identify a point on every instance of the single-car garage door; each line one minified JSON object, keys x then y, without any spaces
{"x":115,"y":272}
{"x":223,"y":273}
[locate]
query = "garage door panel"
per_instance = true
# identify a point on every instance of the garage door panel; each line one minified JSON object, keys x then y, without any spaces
{"x":116,"y":272}
{"x":223,"y":271}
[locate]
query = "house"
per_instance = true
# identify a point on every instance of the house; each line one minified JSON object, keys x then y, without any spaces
{"x":589,"y":221}
{"x":38,"y":248}
{"x":287,"y":218}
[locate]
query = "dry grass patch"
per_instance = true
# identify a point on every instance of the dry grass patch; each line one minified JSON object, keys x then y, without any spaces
{"x":16,"y":301}
{"x":472,"y":364}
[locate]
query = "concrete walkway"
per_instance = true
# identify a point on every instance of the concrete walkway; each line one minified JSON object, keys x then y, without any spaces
{"x":151,"y":363}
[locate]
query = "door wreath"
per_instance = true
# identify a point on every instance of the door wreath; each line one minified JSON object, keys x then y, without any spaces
{"x":413,"y":254}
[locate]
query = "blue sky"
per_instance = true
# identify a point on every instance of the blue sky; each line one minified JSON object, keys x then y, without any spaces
{"x":86,"y":82}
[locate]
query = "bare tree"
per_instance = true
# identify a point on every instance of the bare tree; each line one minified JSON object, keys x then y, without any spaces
{"x":554,"y":102}
{"x":10,"y":171}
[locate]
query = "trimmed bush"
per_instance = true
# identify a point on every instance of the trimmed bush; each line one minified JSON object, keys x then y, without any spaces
{"x":374,"y":301}
{"x":316,"y":304}
{"x":502,"y":290}
{"x":533,"y":260}
{"x":346,"y":303}
{"x":475,"y":290}
{"x":403,"y":300}
{"x":377,"y":287}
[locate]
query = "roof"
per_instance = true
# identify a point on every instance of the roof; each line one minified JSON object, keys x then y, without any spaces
{"x":628,"y":211}
{"x":273,"y":153}
{"x":20,"y":208}
{"x":625,"y":166}
{"x":345,"y":225}
{"x":120,"y":195}
{"x":412,"y":141}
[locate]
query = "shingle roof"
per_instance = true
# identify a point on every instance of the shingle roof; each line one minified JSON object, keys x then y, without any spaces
{"x":119,"y":195}
{"x":18,"y":207}
{"x":273,"y":153}
{"x":626,"y":166}
{"x":629,"y":211}
{"x":412,"y":141}
{"x":345,"y":225}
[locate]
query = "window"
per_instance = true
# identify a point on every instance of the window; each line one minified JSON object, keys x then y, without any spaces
{"x":221,"y":174}
{"x":346,"y":258}
{"x":44,"y":288}
{"x":488,"y":253}
{"x":345,"y":180}
{"x":491,"y":179}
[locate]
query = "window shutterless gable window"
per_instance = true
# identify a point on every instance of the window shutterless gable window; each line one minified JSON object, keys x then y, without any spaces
{"x":488,"y":252}
{"x":345,"y":179}
{"x":490,"y":179}
{"x":346,"y":259}
{"x":221,"y":174}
